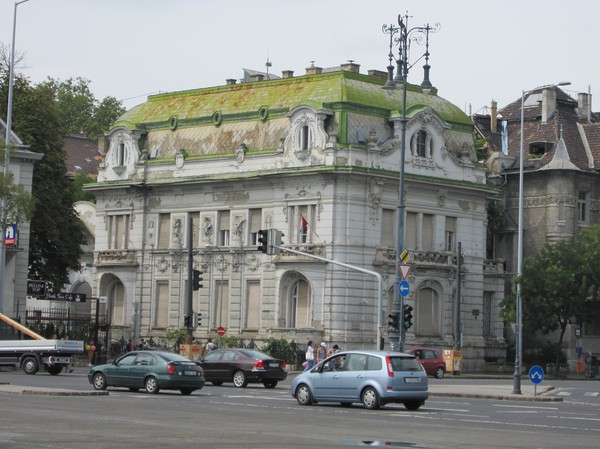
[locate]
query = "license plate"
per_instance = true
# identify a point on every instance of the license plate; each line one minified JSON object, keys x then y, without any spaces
{"x":412,"y":380}
{"x":190,"y":373}
{"x":273,"y":365}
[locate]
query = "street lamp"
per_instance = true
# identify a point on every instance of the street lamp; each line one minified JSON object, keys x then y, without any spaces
{"x":519,"y":307}
{"x":3,"y":206}
{"x":405,"y":37}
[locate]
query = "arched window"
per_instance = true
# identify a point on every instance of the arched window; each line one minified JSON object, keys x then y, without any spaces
{"x":299,"y":310}
{"x":117,"y":303}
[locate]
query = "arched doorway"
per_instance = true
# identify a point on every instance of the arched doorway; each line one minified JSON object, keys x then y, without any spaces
{"x":295,"y":301}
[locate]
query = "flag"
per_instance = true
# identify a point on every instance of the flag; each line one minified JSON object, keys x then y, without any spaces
{"x":302,"y":227}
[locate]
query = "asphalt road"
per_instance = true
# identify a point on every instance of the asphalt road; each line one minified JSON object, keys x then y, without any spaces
{"x":255,"y":417}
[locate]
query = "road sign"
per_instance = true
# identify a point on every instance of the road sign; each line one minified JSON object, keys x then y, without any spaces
{"x":404,"y":256}
{"x":404,"y":270}
{"x":403,"y":288}
{"x":383,"y":330}
{"x":220,"y":331}
{"x":536,"y":374}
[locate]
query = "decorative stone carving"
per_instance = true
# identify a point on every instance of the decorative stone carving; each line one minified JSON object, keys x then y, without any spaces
{"x":375,"y":198}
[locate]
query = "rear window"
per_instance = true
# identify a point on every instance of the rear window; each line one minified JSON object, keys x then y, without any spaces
{"x":405,"y":364}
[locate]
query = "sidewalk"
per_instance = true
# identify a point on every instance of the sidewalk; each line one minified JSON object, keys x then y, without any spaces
{"x":494,"y":391}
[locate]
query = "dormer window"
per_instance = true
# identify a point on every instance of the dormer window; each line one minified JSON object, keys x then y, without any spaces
{"x":420,"y":144}
{"x":304,"y":137}
{"x":120,"y":154}
{"x":538,"y":149}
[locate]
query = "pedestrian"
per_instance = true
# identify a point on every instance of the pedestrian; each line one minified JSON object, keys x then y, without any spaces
{"x":321,"y":352}
{"x":131,"y":345}
{"x":334,"y":349}
{"x":91,"y":348}
{"x":209,"y":347}
{"x":310,"y":355}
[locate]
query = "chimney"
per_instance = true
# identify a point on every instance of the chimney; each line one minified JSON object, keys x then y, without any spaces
{"x":312,"y":70}
{"x":584,"y":106}
{"x":548,"y":104}
{"x":494,"y":116}
{"x":256,"y":77}
{"x":287,"y":74}
{"x":350,"y":66}
{"x":230,"y":81}
{"x":377,"y":74}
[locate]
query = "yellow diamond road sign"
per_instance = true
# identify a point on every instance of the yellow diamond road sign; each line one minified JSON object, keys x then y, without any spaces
{"x":404,"y":256}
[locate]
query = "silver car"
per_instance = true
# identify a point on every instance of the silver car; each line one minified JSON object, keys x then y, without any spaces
{"x":373,"y":378}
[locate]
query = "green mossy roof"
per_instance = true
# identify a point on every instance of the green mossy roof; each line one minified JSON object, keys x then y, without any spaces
{"x":318,"y":91}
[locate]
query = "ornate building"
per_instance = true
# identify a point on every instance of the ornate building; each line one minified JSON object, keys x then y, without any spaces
{"x":316,"y":156}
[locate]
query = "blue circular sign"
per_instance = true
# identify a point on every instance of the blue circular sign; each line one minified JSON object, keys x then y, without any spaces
{"x":536,"y":374}
{"x":404,"y":288}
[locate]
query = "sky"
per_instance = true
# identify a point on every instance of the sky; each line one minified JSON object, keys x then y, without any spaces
{"x":128,"y":49}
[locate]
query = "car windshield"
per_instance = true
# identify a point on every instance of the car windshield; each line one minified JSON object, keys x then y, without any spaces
{"x":405,"y":364}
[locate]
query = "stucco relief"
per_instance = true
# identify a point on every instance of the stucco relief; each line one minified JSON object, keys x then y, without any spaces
{"x":375,"y":187}
{"x":207,"y":229}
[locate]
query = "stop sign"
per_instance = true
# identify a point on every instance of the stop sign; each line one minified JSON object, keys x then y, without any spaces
{"x":220,"y":331}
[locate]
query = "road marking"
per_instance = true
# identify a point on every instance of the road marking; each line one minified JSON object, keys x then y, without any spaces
{"x":524,"y":406}
{"x":563,"y":393}
{"x":591,"y":393}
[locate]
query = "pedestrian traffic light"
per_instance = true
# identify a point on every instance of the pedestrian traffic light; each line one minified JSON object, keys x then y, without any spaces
{"x":408,"y":317}
{"x":263,"y":239}
{"x":187,"y":321}
{"x":196,"y":279}
{"x":393,"y":320}
{"x":197,"y":320}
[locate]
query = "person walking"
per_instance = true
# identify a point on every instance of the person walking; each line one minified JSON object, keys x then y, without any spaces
{"x":310,"y":355}
{"x":334,"y":349}
{"x":321,"y":352}
{"x":210,"y":346}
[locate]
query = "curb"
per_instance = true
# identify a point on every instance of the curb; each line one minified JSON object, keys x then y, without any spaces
{"x":40,"y":391}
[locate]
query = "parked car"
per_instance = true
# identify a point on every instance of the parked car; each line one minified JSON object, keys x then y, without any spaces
{"x":432,"y":361}
{"x":373,"y":378}
{"x":243,"y":366}
{"x":151,"y":370}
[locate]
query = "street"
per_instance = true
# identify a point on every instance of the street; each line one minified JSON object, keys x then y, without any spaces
{"x":255,"y":417}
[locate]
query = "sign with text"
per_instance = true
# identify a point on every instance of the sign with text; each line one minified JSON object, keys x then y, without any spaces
{"x":36,"y":288}
{"x":63,"y":296}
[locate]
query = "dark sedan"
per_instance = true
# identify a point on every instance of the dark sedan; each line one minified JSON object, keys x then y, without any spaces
{"x":151,"y":370}
{"x":242,"y":366}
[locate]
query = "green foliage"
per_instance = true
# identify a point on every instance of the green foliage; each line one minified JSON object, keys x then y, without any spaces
{"x":561,"y":285}
{"x":228,"y":341}
{"x":82,"y":195}
{"x":173,"y":338}
{"x":80,"y":112}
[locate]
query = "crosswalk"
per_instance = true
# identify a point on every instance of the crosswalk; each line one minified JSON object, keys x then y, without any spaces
{"x":566,"y":393}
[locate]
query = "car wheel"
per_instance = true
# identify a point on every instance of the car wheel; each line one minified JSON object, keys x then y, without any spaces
{"x":134,"y":389}
{"x":303,"y":395}
{"x":239,"y":379}
{"x":439,"y":373}
{"x":270,"y":383}
{"x":30,"y":365}
{"x":217,"y":383}
{"x":99,"y":381}
{"x":413,"y":405}
{"x":370,"y":398}
{"x":186,"y":391}
{"x":54,"y":369}
{"x":151,"y":385}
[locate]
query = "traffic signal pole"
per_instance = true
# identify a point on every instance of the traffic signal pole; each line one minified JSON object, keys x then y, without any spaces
{"x":350,"y":267}
{"x":189,"y":306}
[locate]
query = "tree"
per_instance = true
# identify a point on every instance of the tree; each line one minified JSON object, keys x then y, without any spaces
{"x":56,"y":232}
{"x":80,"y":112}
{"x":560,"y":286}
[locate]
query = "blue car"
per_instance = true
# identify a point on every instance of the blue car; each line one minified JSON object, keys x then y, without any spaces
{"x":373,"y":378}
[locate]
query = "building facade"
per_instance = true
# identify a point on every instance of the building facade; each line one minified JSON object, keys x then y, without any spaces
{"x":561,"y":150}
{"x":317,"y":157}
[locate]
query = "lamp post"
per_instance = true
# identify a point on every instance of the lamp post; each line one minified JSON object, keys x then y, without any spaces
{"x":519,"y":305}
{"x":402,"y":36}
{"x":3,"y":206}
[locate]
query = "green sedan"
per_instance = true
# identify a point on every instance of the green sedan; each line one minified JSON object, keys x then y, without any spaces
{"x":150,"y":370}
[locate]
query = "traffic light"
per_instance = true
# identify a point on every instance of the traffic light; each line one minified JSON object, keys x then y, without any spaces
{"x":263,"y":239}
{"x":187,"y":321}
{"x":197,"y":320}
{"x":196,"y":279}
{"x":393,"y":320}
{"x":408,"y":317}
{"x":277,"y":241}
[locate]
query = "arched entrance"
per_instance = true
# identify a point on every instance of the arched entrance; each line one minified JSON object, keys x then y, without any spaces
{"x":295,"y":301}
